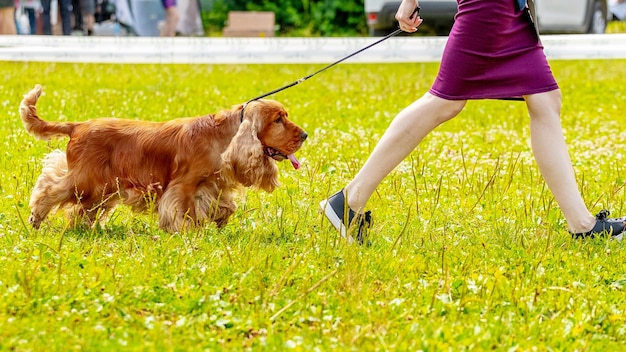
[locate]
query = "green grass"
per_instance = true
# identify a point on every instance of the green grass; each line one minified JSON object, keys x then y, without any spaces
{"x":469,"y":250}
{"x":616,"y":27}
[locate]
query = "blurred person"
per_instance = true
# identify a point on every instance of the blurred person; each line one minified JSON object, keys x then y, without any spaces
{"x":65,"y":8}
{"x":105,"y":10}
{"x":618,"y":9}
{"x":77,"y":16}
{"x":492,"y":52}
{"x":29,"y":9}
{"x":88,"y":11}
{"x":31,"y":13}
{"x":171,"y":18}
{"x":7,"y":17}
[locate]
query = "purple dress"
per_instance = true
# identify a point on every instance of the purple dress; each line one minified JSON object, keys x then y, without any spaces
{"x":493,"y":52}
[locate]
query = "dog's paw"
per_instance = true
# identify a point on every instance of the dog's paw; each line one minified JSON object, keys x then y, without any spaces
{"x":35,"y":221}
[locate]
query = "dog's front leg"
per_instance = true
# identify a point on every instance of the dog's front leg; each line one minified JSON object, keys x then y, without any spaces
{"x":176,"y":208}
{"x":214,"y":204}
{"x":223,"y":211}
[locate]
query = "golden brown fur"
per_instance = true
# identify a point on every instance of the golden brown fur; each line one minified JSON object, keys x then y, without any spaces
{"x":188,"y":168}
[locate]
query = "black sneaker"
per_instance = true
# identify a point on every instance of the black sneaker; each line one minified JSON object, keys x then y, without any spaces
{"x":336,"y":210}
{"x":604,"y":226}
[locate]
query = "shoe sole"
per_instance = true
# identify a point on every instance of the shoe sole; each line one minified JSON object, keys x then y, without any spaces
{"x":334,"y":219}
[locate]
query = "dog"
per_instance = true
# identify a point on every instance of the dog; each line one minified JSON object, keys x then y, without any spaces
{"x":187,"y":170}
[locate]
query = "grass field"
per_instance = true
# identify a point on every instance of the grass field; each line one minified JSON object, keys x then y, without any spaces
{"x":469,"y":250}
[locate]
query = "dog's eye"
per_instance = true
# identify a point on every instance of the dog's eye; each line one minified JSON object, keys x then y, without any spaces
{"x":279,"y":120}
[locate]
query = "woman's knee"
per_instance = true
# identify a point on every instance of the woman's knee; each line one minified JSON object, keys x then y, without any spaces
{"x":445,"y":109}
{"x":454,"y":107}
{"x":543,"y":105}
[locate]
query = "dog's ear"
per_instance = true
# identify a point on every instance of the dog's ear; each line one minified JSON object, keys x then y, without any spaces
{"x":246,"y":162}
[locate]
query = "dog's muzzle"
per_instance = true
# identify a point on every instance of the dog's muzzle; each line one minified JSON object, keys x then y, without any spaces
{"x":278,"y":156}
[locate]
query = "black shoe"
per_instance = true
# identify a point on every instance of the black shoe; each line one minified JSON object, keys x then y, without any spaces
{"x":336,"y":210}
{"x":604,"y":226}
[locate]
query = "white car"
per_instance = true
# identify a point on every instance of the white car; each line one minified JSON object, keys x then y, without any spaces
{"x":572,"y":16}
{"x":553,"y":16}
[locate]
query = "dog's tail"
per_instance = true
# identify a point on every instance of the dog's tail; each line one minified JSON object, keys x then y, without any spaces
{"x":35,"y":125}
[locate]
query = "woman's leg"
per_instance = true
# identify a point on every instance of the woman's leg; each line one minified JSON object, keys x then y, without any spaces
{"x":403,"y":135}
{"x":171,"y":21}
{"x":553,"y":159}
{"x":7,"y":21}
{"x":89,"y":21}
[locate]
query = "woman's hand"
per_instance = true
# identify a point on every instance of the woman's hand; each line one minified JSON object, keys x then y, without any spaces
{"x":408,"y":20}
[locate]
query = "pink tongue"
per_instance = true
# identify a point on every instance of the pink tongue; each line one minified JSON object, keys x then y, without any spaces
{"x":294,"y":161}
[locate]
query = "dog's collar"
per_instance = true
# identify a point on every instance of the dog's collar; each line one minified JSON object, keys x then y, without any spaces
{"x":243,"y":108}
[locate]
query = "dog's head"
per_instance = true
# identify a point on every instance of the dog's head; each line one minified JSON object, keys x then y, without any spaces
{"x":265,"y":135}
{"x":279,"y":137}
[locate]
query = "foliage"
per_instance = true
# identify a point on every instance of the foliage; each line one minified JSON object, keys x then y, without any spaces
{"x":332,"y":17}
{"x":312,"y":17}
{"x":468,"y":252}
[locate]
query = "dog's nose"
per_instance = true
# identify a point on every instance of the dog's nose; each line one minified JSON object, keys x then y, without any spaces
{"x":303,"y":136}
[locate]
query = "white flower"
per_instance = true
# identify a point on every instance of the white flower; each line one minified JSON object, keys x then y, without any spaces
{"x":149,"y":322}
{"x":396,"y":301}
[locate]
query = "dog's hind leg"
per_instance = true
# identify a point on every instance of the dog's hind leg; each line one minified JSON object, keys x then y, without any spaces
{"x":51,"y":188}
{"x":90,"y":213}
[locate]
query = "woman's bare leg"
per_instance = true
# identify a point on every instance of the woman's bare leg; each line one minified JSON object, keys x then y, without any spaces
{"x":402,"y":136}
{"x":550,"y":150}
{"x":171,"y":21}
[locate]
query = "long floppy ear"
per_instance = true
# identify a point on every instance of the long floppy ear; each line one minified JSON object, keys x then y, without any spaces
{"x":245,"y":161}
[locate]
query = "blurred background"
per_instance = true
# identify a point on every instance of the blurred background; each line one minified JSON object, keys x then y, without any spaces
{"x":287,"y":18}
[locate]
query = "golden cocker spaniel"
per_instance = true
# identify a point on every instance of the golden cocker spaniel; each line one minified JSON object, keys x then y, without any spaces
{"x":187,"y":169}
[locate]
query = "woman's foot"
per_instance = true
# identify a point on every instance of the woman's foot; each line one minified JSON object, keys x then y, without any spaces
{"x":345,"y":220}
{"x":615,"y":228}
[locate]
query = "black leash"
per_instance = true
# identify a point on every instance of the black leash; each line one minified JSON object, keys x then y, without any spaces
{"x":394,"y":33}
